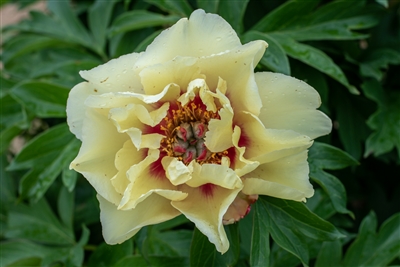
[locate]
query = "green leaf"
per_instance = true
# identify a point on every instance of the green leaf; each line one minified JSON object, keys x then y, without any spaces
{"x":377,"y":60}
{"x":43,"y":99}
{"x":275,"y":57}
{"x":384,"y":3}
{"x":323,"y":156}
{"x":330,"y":254}
{"x":37,"y":222}
{"x":69,"y":178}
{"x":14,"y":251}
{"x":260,"y":251}
{"x":314,"y":58}
{"x":168,"y":243}
{"x":179,"y":7}
{"x":385,"y":121}
{"x":47,"y":155}
{"x":288,"y":222}
{"x":65,"y":207}
{"x":286,"y":14}
{"x":210,"y":6}
{"x":99,"y":16}
{"x":133,"y":260}
{"x":375,"y":249}
{"x":203,"y":253}
{"x":233,"y":12}
{"x":139,"y":19}
{"x":107,"y":255}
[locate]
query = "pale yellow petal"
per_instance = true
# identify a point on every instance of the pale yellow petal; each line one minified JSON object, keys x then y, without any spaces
{"x":265,"y":145}
{"x":143,"y":181}
{"x":76,"y":108}
{"x":219,"y":135}
{"x":236,"y":67}
{"x":120,"y":225}
{"x":206,"y":207}
{"x":242,"y":165}
{"x":177,"y":172}
{"x":289,"y":103}
{"x":100,"y":143}
{"x":220,"y":175}
{"x":117,"y":75}
{"x":285,"y":178}
{"x":202,"y":35}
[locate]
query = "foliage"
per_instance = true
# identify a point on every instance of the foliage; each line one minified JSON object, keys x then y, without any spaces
{"x":348,"y":50}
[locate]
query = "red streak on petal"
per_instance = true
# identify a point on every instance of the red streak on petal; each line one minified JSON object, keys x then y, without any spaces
{"x":232,"y":156}
{"x":207,"y":190}
{"x":156,"y":168}
{"x":244,"y":140}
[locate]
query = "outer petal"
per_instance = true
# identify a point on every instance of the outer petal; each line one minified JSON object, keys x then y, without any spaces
{"x":202,"y":35}
{"x":100,"y":143}
{"x":207,"y":210}
{"x":117,"y":75}
{"x":236,"y":67}
{"x":120,"y":225}
{"x":289,"y":103}
{"x":285,"y":178}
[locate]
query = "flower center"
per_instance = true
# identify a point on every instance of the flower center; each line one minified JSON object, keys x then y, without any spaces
{"x":185,"y":128}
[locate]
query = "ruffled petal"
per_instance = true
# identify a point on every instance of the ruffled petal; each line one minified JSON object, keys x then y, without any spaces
{"x":266,"y":145}
{"x":177,"y":172}
{"x":202,"y":35}
{"x":219,"y":135}
{"x":241,"y":165}
{"x":95,"y":160}
{"x":290,"y":104}
{"x":286,"y":178}
{"x":120,"y":225}
{"x":143,"y":182}
{"x":236,"y":67}
{"x":205,"y":206}
{"x":117,"y":75}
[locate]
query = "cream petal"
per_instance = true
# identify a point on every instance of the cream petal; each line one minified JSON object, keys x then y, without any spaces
{"x":220,"y":175}
{"x":265,"y":145}
{"x":289,"y":103}
{"x":143,"y":181}
{"x":120,"y":225}
{"x":236,"y":67}
{"x":191,"y":91}
{"x":206,"y":211}
{"x":177,"y":172}
{"x":180,"y":71}
{"x":126,"y":157}
{"x":285,"y":178}
{"x":218,"y":137}
{"x":242,"y":166}
{"x":95,"y":160}
{"x":76,"y":108}
{"x":202,"y":35}
{"x":117,"y":75}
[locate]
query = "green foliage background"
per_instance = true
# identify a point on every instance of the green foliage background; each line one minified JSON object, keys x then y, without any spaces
{"x":348,"y":50}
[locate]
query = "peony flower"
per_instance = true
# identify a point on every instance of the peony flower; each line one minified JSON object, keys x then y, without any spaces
{"x":187,"y":127}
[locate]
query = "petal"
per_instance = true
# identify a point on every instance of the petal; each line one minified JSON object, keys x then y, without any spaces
{"x":239,"y":208}
{"x":117,"y":75}
{"x":120,"y":225}
{"x":289,"y":103}
{"x":265,"y":145}
{"x":285,"y":178}
{"x":236,"y":67}
{"x":180,"y":71}
{"x":218,"y":137}
{"x":241,"y":165}
{"x":76,"y":108}
{"x":216,"y":174}
{"x":95,"y":160}
{"x":143,"y":182}
{"x":126,"y":157}
{"x":202,"y":35}
{"x":207,"y":210}
{"x":177,"y":172}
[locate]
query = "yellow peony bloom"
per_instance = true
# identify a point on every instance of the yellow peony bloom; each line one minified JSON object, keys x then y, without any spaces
{"x":187,"y":127}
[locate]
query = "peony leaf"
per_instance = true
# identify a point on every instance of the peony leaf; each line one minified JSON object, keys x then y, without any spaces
{"x":46,"y":155}
{"x":179,"y":7}
{"x":372,"y":248}
{"x":377,"y":60}
{"x":330,"y":254}
{"x":260,"y":248}
{"x":233,"y":12}
{"x":323,"y":156}
{"x":43,"y":99}
{"x":208,"y":5}
{"x":107,"y":255}
{"x":203,"y":253}
{"x":274,"y":57}
{"x":139,"y":19}
{"x":288,"y":222}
